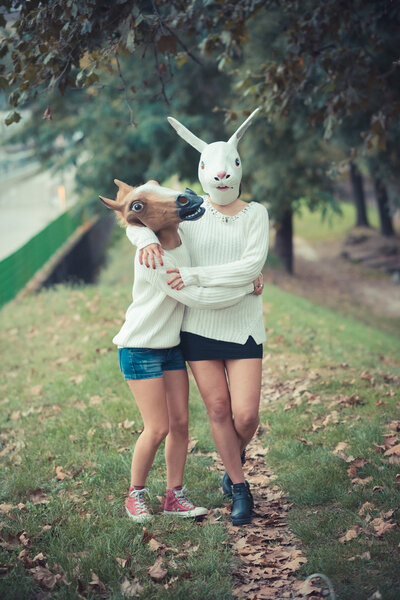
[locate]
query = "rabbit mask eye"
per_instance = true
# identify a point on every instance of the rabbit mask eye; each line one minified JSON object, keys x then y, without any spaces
{"x":137,"y":206}
{"x":202,"y":165}
{"x":237,"y":162}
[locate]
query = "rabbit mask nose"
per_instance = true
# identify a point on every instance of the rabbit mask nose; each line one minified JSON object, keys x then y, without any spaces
{"x":221,"y":174}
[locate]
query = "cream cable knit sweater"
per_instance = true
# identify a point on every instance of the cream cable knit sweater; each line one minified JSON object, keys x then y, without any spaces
{"x":154,"y":318}
{"x":225,"y":251}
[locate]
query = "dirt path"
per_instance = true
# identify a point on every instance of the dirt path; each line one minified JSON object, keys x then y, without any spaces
{"x":267,"y":552}
{"x":325,"y":277}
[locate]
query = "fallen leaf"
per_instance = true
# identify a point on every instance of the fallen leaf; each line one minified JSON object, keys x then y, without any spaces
{"x":363,"y":556}
{"x":131,"y":588}
{"x":358,"y":462}
{"x":95,"y":401}
{"x":45,"y":578}
{"x":60,"y":475}
{"x":122,"y":561}
{"x":366,"y":507}
{"x":340,"y":447}
{"x":157,"y":572}
{"x":294,"y":564}
{"x":192,"y":444}
{"x":154,"y":545}
{"x":350,"y":534}
{"x":382,"y":526}
{"x":96,"y":583}
{"x":23,"y":554}
{"x":38,"y":497}
{"x":126,"y":424}
{"x":393,"y":450}
{"x":390,"y":440}
{"x":304,"y":441}
{"x":36,"y":390}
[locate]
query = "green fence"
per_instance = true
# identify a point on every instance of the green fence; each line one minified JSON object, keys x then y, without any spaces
{"x":18,"y":268}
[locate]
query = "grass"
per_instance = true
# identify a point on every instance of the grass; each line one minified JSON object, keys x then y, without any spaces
{"x":64,"y":442}
{"x":313,"y":228}
{"x":343,"y":381}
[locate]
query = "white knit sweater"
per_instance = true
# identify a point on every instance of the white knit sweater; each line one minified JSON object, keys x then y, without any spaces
{"x":154,"y":319}
{"x":224,"y":251}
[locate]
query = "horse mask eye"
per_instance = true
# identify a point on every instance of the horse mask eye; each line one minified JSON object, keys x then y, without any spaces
{"x":137,"y":206}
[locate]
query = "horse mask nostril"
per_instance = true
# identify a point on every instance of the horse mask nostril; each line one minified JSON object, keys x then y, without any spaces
{"x":182,"y":200}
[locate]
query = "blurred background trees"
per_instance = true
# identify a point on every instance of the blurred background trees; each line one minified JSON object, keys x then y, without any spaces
{"x":104,"y":76}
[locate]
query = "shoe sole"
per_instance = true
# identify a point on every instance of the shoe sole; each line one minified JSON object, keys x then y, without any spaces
{"x":188,"y":514}
{"x":241,"y":521}
{"x":140,"y":518}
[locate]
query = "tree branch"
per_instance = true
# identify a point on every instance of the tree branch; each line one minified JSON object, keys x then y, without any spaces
{"x":125,"y":86}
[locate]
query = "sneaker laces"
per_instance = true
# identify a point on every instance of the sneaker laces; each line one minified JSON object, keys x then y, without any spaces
{"x":181,"y":495}
{"x":139,"y":499}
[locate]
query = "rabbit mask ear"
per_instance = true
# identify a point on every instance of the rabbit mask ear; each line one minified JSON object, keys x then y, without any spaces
{"x":187,"y":135}
{"x":239,"y":133}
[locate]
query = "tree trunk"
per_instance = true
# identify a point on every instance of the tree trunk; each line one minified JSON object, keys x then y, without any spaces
{"x":382,"y":201}
{"x":358,"y":196}
{"x":284,"y":240}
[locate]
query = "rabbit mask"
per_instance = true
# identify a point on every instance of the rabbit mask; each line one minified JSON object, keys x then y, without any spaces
{"x":220,"y":167}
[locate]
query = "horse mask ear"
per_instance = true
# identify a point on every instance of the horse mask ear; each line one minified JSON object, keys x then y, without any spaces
{"x":239,"y":133}
{"x":118,"y":204}
{"x":111,"y":204}
{"x":187,"y":135}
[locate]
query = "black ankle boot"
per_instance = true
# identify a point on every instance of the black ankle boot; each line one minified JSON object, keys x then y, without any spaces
{"x":250,"y":494}
{"x":227,"y":485}
{"x":227,"y":481}
{"x":242,"y":504}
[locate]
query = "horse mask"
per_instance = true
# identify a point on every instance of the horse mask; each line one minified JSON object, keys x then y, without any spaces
{"x":220,"y":167}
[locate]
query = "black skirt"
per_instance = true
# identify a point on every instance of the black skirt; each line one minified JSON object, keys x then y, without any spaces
{"x":197,"y":347}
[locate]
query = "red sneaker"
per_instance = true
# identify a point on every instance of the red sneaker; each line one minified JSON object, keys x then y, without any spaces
{"x":136,"y":505}
{"x":176,"y":503}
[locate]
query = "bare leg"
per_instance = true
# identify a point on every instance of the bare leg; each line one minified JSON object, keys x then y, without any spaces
{"x":150,"y":397}
{"x":244,"y":378}
{"x":176,"y":444}
{"x":211,"y":380}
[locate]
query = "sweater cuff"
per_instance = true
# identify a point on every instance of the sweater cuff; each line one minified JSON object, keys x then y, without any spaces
{"x":250,"y":288}
{"x":187,"y":277}
{"x":146,"y":237}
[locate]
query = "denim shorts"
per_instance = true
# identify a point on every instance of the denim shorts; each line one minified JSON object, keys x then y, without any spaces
{"x":146,"y":363}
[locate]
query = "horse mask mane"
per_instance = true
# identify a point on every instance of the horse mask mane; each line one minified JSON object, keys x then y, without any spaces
{"x":220,"y":166}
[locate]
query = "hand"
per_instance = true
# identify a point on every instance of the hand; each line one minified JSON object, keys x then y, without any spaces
{"x":258,"y":285}
{"x":176,"y":281}
{"x":148,"y":255}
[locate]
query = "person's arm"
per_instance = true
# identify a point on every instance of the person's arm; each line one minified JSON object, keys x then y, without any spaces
{"x":195,"y":296}
{"x":147,"y":243}
{"x":237,"y":273}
